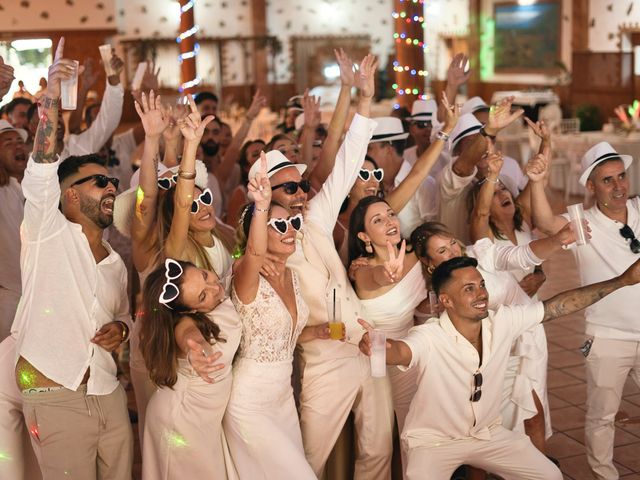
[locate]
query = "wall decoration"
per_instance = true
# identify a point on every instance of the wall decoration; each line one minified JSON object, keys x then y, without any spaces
{"x":527,"y":37}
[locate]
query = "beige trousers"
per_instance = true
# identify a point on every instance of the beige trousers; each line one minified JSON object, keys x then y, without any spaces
{"x":332,"y":389}
{"x":80,"y":436}
{"x":8,"y":305}
{"x":18,"y":461}
{"x":608,"y":364}
{"x":508,"y":454}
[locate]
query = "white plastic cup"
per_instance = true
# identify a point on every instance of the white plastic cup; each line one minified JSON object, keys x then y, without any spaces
{"x":106,"y":54}
{"x":136,"y":83}
{"x":69,"y":90}
{"x":378,"y":353}
{"x":576,"y":215}
{"x":433,"y":304}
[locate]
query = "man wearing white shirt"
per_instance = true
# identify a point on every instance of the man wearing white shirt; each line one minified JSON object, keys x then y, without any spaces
{"x":74,"y":310}
{"x":336,"y":377}
{"x":461,"y":360}
{"x":612,"y":348}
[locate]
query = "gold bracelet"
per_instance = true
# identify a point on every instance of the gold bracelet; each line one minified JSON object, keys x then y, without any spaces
{"x":186,"y":175}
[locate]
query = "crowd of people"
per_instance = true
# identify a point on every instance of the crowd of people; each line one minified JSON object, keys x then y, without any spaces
{"x":226,"y":263}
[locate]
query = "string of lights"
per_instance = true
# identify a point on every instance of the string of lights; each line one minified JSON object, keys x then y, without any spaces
{"x":188,"y":33}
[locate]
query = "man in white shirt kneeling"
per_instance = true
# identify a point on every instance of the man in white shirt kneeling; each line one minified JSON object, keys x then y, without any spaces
{"x":454,"y":417}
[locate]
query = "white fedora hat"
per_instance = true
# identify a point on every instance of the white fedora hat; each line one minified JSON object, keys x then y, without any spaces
{"x":467,"y":125}
{"x":597,"y":154}
{"x":387,"y":129}
{"x":276,"y":161}
{"x":7,"y":127}
{"x":424,"y":111}
{"x":512,"y":176}
{"x":473,"y":105}
{"x":125,"y":203}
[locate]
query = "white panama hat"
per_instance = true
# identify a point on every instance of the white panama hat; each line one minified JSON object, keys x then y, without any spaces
{"x":388,"y":129}
{"x":276,"y":161}
{"x":597,"y":154}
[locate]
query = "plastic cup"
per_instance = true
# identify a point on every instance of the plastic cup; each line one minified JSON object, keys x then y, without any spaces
{"x":576,"y":215}
{"x":335,"y":318}
{"x":378,"y":353}
{"x":433,"y":304}
{"x":69,"y":90}
{"x":136,"y":83}
{"x":105,"y":54}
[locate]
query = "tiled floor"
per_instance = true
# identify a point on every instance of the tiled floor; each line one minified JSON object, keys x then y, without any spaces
{"x":567,"y":387}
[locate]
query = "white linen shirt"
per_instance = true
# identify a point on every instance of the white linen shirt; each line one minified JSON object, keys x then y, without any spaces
{"x":67,"y":297}
{"x":441,"y":410}
{"x":11,"y":212}
{"x":607,"y":255}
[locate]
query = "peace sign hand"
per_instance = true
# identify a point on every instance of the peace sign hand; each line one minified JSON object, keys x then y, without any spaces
{"x":154,"y":119}
{"x":192,"y":126}
{"x":395,"y":265}
{"x":259,"y":187}
{"x":540,"y":129}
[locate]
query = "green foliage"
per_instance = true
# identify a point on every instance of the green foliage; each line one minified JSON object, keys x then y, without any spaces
{"x":590,"y":117}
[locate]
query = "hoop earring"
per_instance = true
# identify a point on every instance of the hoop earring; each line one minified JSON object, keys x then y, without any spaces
{"x":430,"y":269}
{"x":367,"y":247}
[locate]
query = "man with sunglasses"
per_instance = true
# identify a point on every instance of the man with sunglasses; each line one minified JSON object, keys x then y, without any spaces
{"x":336,"y":377}
{"x":612,"y":347}
{"x":74,"y":311}
{"x":462,"y":359}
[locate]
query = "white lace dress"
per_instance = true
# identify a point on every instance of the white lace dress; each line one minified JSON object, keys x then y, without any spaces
{"x":261,"y":423}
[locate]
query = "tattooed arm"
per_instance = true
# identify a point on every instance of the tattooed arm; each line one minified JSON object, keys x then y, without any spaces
{"x":45,"y":139}
{"x":573,"y":300}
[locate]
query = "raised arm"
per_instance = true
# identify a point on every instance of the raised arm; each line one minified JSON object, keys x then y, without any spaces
{"x":311,"y":112}
{"x":6,"y":78}
{"x":154,"y":122}
{"x":172,"y":136}
{"x":542,"y":215}
{"x":88,"y":79}
{"x":338,"y":121}
{"x":246,"y":278}
{"x":399,"y":196}
{"x":192,"y":128}
{"x":574,"y":300}
{"x":479,"y":221}
{"x":456,"y":76}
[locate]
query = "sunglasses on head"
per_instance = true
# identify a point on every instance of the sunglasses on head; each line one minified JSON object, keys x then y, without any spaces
{"x":477,"y":387}
{"x":292,"y":187}
{"x":628,"y":234}
{"x":170,"y":291}
{"x":101,"y":181}
{"x":205,"y":198}
{"x":365,"y":175}
{"x":281,"y":225}
{"x":423,"y":124}
{"x":166,"y":182}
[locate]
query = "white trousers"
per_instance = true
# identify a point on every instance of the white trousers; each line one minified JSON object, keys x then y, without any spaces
{"x":8,"y":306}
{"x":508,"y":454}
{"x":18,"y":461}
{"x":330,"y":390}
{"x":608,"y":364}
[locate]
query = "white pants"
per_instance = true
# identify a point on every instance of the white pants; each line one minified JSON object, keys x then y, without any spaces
{"x":608,"y":364}
{"x":330,"y":390}
{"x":508,"y":454}
{"x":143,"y":387}
{"x":19,"y":462}
{"x":8,"y":305}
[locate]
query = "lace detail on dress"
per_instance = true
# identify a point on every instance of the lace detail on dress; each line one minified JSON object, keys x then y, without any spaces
{"x":266,"y":324}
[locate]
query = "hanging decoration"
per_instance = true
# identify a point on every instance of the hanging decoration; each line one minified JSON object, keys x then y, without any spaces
{"x":189,"y":48}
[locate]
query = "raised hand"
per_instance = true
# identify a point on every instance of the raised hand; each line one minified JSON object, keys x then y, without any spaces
{"x":172,"y":133}
{"x":395,"y":265}
{"x":6,"y":77}
{"x":500,"y":116}
{"x":347,"y":76}
{"x":150,"y":77}
{"x":537,"y":167}
{"x":366,"y":76}
{"x":311,"y":110}
{"x":540,"y":129}
{"x":452,"y":112}
{"x":456,"y":75}
{"x":201,"y":357}
{"x":259,"y":187}
{"x":117,"y":65}
{"x":494,"y":161}
{"x":61,"y":69}
{"x":192,"y":126}
{"x":258,"y":102}
{"x":152,"y":115}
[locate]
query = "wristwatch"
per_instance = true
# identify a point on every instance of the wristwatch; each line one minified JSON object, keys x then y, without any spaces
{"x":485,"y":134}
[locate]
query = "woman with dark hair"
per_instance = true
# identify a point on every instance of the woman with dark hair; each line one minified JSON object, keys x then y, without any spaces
{"x":249,"y":154}
{"x":285,"y":144}
{"x":188,"y":356}
{"x":261,"y":422}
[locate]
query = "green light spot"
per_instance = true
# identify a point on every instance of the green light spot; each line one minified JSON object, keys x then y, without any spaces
{"x":27,"y":378}
{"x":48,"y":311}
{"x":4,"y":457}
{"x":175,"y":440}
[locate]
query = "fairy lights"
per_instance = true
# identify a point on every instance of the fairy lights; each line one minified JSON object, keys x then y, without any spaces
{"x":189,"y":48}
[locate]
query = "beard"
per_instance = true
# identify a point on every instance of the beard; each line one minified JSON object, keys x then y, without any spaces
{"x":210,"y":148}
{"x":91,"y":208}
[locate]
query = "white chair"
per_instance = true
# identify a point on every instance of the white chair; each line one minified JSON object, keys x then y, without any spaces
{"x":569,"y":125}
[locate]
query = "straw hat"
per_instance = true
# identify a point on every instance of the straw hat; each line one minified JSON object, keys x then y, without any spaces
{"x":597,"y":154}
{"x":388,"y":129}
{"x":276,"y":161}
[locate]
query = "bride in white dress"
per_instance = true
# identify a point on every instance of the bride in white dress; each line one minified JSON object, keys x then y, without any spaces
{"x":261,"y":422}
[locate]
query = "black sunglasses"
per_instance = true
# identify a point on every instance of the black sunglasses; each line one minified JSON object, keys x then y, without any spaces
{"x":423,"y":124}
{"x":292,"y":187}
{"x":628,"y":234}
{"x":101,"y":180}
{"x":477,"y":387}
